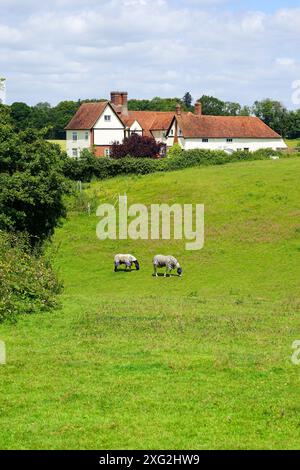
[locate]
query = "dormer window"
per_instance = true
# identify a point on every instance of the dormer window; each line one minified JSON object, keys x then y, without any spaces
{"x":171,"y":132}
{"x":107,"y":118}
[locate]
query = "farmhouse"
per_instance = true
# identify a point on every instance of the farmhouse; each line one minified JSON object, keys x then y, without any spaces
{"x":98,"y":125}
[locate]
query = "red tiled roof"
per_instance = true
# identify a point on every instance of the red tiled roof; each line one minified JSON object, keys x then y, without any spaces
{"x":87,"y":116}
{"x":149,"y":120}
{"x":218,"y":127}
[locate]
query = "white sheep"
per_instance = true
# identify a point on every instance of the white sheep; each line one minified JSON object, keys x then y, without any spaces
{"x":169,"y":262}
{"x":128,"y":260}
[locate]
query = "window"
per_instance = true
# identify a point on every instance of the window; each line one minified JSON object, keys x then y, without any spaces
{"x":74,"y":136}
{"x":171,"y":132}
{"x":107,"y":118}
{"x":107,"y":152}
{"x":246,"y":150}
{"x":229,"y":140}
{"x":75,"y":153}
{"x":87,"y":135}
{"x":204,"y":140}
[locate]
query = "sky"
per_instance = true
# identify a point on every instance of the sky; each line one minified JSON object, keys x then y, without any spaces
{"x":69,"y":49}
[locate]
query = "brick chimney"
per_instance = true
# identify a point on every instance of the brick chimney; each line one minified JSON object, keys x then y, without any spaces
{"x":198,"y":108}
{"x":178,"y":110}
{"x":120,"y":99}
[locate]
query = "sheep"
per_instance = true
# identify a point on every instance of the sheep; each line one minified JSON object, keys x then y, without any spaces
{"x":128,"y":260}
{"x":169,"y":262}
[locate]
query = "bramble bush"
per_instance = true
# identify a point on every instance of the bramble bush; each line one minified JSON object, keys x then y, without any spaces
{"x":27,"y":281}
{"x":88,"y":166}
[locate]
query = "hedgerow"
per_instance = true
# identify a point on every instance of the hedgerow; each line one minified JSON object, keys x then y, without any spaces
{"x":27,"y":281}
{"x":88,"y":166}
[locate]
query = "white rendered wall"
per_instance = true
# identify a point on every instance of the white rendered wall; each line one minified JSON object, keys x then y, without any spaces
{"x":136,"y":128}
{"x":80,"y":144}
{"x":107,"y":132}
{"x":222,"y":144}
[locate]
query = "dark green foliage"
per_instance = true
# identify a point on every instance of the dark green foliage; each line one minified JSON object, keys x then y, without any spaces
{"x":32,"y":184}
{"x":215,"y":107}
{"x":20,"y":113}
{"x":27,"y":282}
{"x":187,"y":99}
{"x":274,"y":114}
{"x":88,"y":167}
{"x":157,"y":104}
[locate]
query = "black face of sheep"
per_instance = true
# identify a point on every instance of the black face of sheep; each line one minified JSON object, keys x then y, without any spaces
{"x":137,"y":265}
{"x":179,"y":271}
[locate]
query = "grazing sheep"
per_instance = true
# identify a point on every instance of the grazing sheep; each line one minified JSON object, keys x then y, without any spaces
{"x":169,"y":262}
{"x":128,"y":260}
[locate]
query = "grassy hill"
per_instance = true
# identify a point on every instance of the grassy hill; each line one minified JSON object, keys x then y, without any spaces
{"x":131,"y":361}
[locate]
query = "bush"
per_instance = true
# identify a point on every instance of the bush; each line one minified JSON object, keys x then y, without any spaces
{"x":137,"y":146}
{"x":175,"y":151}
{"x":27,"y":282}
{"x":89,"y":167}
{"x":32,"y":183}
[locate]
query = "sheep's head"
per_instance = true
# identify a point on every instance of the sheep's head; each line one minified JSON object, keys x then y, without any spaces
{"x":137,"y":265}
{"x":179,"y":271}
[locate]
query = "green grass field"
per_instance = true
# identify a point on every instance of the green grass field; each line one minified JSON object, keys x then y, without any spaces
{"x":61,"y":143}
{"x":293,"y":143}
{"x":201,"y":362}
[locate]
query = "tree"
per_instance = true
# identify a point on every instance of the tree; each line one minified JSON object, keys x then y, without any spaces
{"x":137,"y":146}
{"x":212,"y":106}
{"x":187,"y":99}
{"x":272,"y":113}
{"x":32,"y":184}
{"x":20,"y":113}
{"x":61,"y":115}
{"x":293,"y":131}
{"x":5,"y":115}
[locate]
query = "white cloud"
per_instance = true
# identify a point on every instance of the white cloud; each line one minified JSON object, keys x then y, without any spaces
{"x":68,"y":49}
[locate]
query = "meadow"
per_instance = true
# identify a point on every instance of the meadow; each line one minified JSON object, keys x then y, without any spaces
{"x":293,"y":143}
{"x":61,"y":143}
{"x":130,"y":361}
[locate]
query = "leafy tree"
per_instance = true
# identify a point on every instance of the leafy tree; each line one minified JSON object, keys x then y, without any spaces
{"x":156,"y":104}
{"x":20,"y":113}
{"x":5,"y":115}
{"x":293,"y":131}
{"x":187,"y":99}
{"x":212,"y":106}
{"x":61,"y":115}
{"x":32,"y":184}
{"x":274,"y":114}
{"x":137,"y":146}
{"x":41,"y":116}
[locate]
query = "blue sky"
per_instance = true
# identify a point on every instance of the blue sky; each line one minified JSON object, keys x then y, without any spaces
{"x":69,"y":49}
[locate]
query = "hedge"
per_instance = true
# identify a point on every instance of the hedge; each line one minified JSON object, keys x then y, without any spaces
{"x":88,"y":167}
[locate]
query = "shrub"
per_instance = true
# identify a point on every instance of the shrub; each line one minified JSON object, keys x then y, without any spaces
{"x":175,"y":151}
{"x":137,"y":146}
{"x":27,"y":282}
{"x":32,"y":184}
{"x":89,"y":167}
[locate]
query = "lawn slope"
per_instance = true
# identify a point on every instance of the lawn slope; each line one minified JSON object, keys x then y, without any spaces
{"x":130,"y":361}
